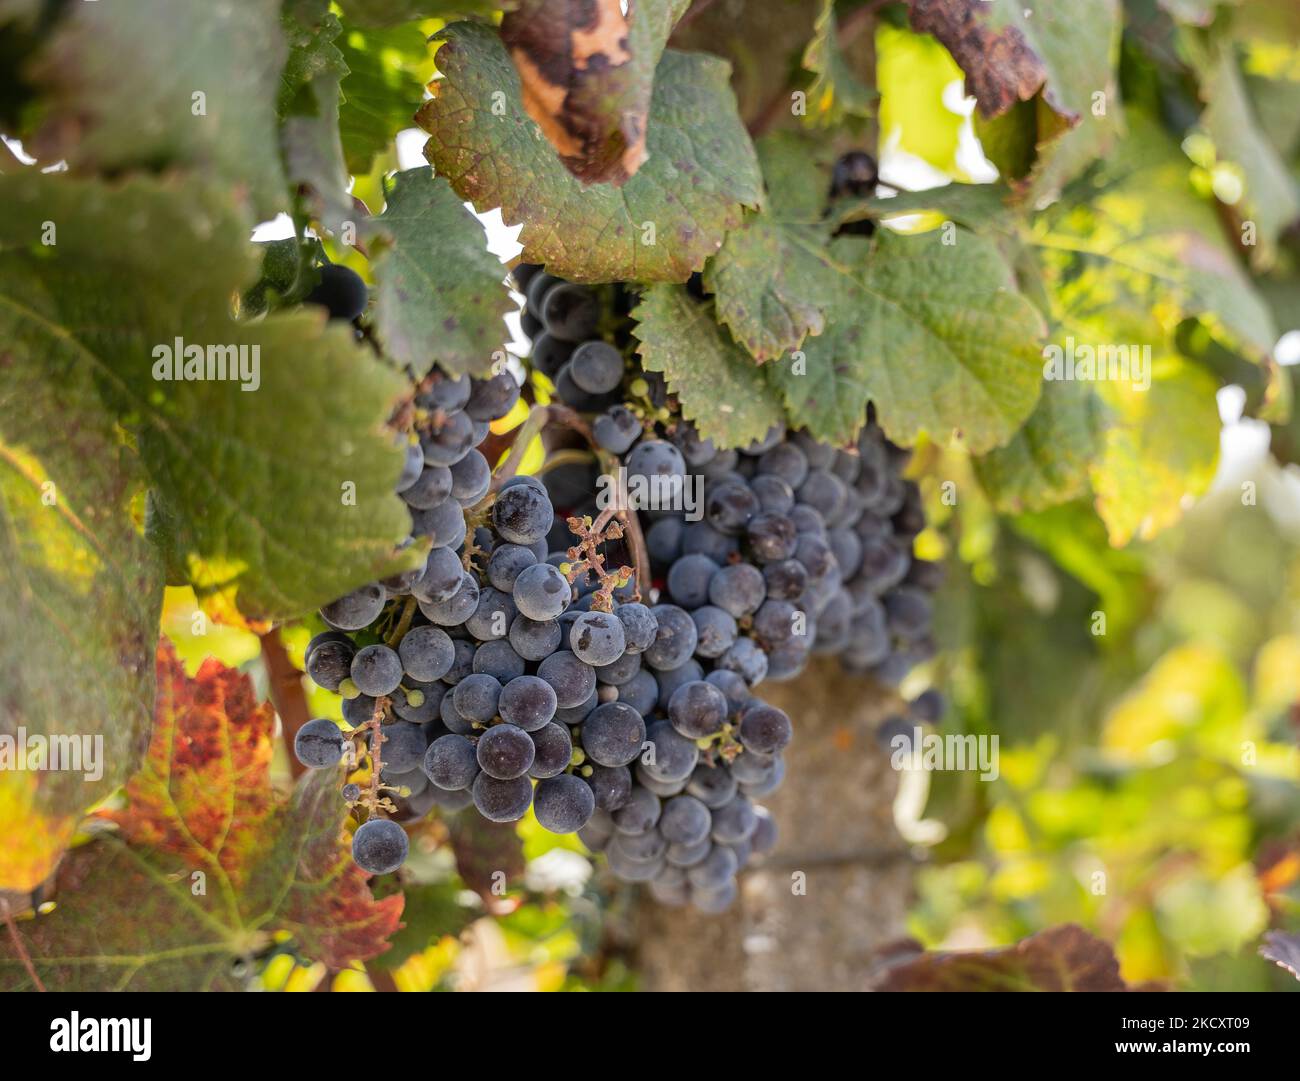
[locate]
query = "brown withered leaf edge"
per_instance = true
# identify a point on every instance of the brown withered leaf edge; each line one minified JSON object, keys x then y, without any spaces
{"x":574,"y":62}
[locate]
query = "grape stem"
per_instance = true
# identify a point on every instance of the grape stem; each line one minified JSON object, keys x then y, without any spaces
{"x":375,"y":727}
{"x":587,"y":556}
{"x":403,"y":622}
{"x":629,"y":519}
{"x":561,"y":415}
{"x":524,"y":435}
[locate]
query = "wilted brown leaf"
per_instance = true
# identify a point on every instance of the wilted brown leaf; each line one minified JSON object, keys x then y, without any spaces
{"x":1065,"y":958}
{"x":586,"y":71}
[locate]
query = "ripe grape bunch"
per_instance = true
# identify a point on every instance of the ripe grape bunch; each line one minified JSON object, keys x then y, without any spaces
{"x":514,"y":669}
{"x":794,"y":547}
{"x":518,"y":667}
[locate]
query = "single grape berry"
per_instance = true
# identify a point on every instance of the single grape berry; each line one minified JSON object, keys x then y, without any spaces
{"x":612,"y":734}
{"x":491,"y":399}
{"x":554,"y":751}
{"x":451,"y":762}
{"x":319,"y":744}
{"x":855,"y":173}
{"x":330,"y":662}
{"x":377,"y":670}
{"x":685,"y":820}
{"x":358,"y":609}
{"x":403,"y":747}
{"x":573,"y":680}
{"x":697,"y":709}
{"x":563,"y":803}
{"x":340,"y":291}
{"x":597,"y":638}
{"x":616,"y":429}
{"x":527,"y":702}
{"x":379,"y":846}
{"x":597,"y":367}
{"x":522,"y":514}
{"x":505,"y":752}
{"x":502,"y":801}
{"x":541,"y":592}
{"x":426,"y":653}
{"x":611,"y":785}
{"x":765,"y":728}
{"x":570,"y":312}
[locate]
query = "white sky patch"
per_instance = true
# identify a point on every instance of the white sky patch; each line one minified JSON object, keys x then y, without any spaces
{"x":1287,"y":350}
{"x":916,"y":174}
{"x":1243,"y":441}
{"x":18,"y":151}
{"x":1232,"y":402}
{"x":278,"y":228}
{"x":410,"y":148}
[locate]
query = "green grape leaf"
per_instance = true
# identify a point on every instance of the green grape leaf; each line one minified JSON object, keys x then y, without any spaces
{"x":281,"y":493}
{"x":660,"y":226}
{"x":769,"y":279}
{"x":82,"y":587}
{"x":431,"y":911}
{"x":439,"y":292}
{"x":770,"y":276}
{"x":1065,"y":958}
{"x":935,"y":334}
{"x":1194,"y":12}
{"x":310,"y":31}
{"x":1160,"y":449}
{"x":1269,"y":22}
{"x":979,"y":207}
{"x":381,"y":92}
{"x":1060,"y":54}
{"x":205,"y":75}
{"x":309,"y":113}
{"x":836,"y":90}
{"x":208,"y":863}
{"x":1134,"y":234}
{"x":1048,"y":460}
{"x":717,"y":385}
{"x":375,"y":13}
{"x":586,"y":72}
{"x":1271,"y":194}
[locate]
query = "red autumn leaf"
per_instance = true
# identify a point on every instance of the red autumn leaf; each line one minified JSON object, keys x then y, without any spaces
{"x":486,"y":851}
{"x":207,"y":864}
{"x":1065,"y":958}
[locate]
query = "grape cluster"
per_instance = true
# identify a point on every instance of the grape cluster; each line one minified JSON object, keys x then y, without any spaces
{"x":524,"y":665}
{"x":792,"y":547}
{"x":505,"y":677}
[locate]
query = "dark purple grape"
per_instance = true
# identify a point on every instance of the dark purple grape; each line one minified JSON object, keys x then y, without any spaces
{"x":612,"y":734}
{"x":451,"y":762}
{"x":379,"y":846}
{"x":528,"y":702}
{"x":554,"y":751}
{"x":697,"y":709}
{"x":563,"y":803}
{"x":502,"y":801}
{"x":319,"y":744}
{"x":341,"y":291}
{"x":505,"y":752}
